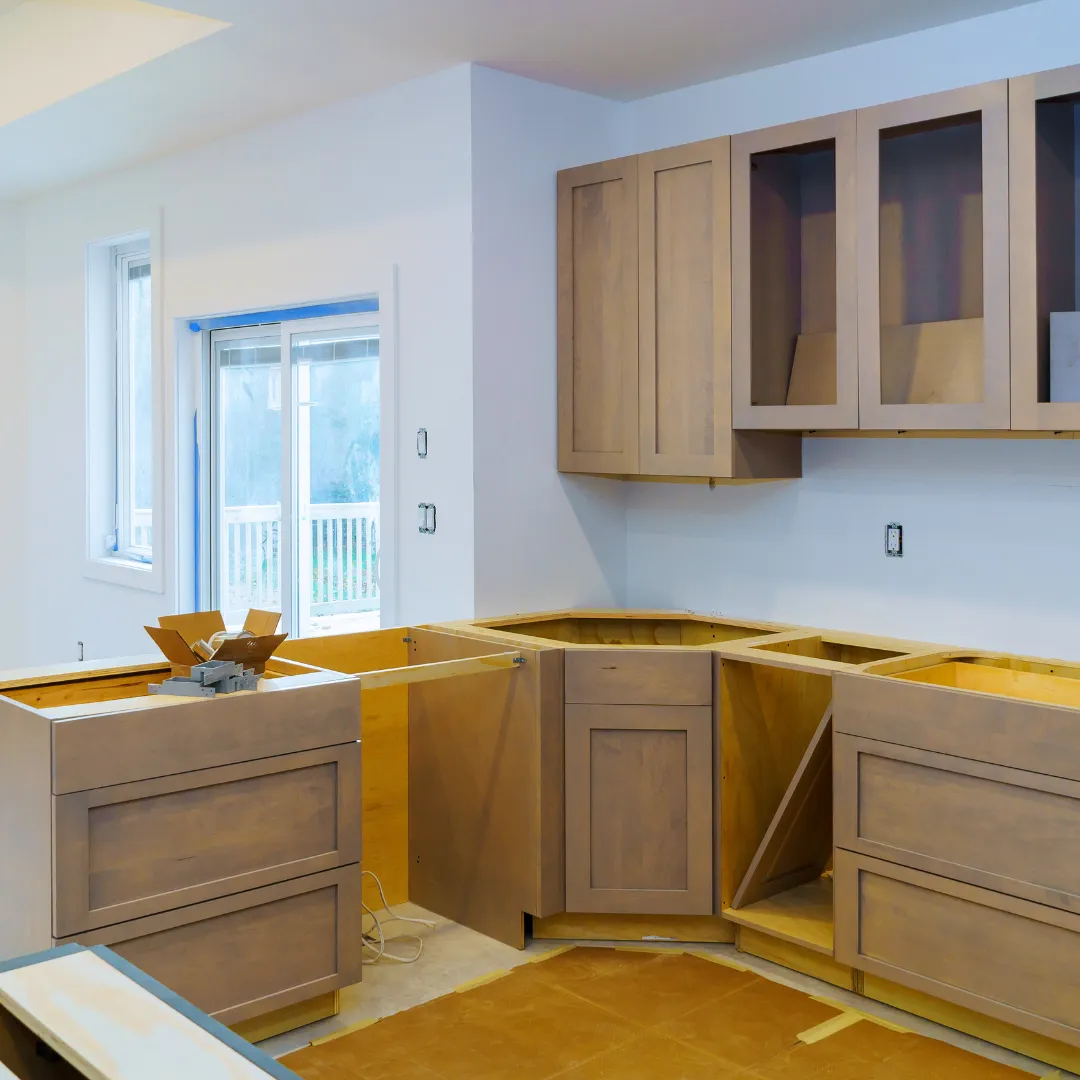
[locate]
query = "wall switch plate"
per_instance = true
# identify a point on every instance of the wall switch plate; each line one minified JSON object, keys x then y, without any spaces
{"x":894,"y":540}
{"x":427,"y":517}
{"x":421,"y":442}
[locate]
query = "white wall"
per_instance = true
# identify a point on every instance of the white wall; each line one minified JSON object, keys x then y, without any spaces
{"x":312,"y":208}
{"x":543,"y":540}
{"x":990,"y":527}
{"x":13,"y":437}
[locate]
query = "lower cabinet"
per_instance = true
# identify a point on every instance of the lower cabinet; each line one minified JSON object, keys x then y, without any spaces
{"x":247,"y":954}
{"x":639,"y":809}
{"x":996,"y":954}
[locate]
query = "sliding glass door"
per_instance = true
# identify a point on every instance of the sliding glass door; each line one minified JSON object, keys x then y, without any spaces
{"x":295,"y":473}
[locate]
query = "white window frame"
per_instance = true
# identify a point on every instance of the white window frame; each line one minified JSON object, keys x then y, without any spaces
{"x":125,"y":257}
{"x":103,"y":561}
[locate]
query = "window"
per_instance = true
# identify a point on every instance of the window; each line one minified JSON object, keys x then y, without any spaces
{"x":122,"y":470}
{"x":134,"y":510}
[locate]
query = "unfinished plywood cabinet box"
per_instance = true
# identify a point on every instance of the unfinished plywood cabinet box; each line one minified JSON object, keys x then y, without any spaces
{"x":794,"y":276}
{"x":933,"y":181}
{"x":645,"y":379}
{"x":1043,"y":172}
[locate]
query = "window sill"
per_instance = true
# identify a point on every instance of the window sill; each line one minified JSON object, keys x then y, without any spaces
{"x":129,"y":573}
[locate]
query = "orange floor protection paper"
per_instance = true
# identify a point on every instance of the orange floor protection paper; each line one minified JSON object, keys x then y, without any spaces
{"x":613,"y":1014}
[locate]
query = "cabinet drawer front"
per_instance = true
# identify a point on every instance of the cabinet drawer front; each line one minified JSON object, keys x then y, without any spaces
{"x":638,"y":677}
{"x":639,"y":809}
{"x":119,"y":748}
{"x":1007,"y":958}
{"x":1000,"y":730}
{"x":1003,"y":829}
{"x":246,"y":955}
{"x":136,"y":849}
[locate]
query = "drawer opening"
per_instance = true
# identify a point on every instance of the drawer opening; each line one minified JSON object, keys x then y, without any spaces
{"x":626,"y":631}
{"x":833,"y":649}
{"x":776,"y":801}
{"x":1052,"y":684}
{"x":26,"y":1057}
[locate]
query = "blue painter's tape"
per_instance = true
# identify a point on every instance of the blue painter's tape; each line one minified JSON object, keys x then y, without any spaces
{"x":40,"y":957}
{"x":312,"y":311}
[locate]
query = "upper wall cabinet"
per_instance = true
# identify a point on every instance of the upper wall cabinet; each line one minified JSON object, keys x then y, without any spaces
{"x":598,"y":318}
{"x":933,"y":190}
{"x":795,"y":276}
{"x":1044,"y":111}
{"x":645,"y":322}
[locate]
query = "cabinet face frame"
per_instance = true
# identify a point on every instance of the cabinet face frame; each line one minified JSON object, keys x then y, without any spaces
{"x":717,"y":154}
{"x":844,"y":414}
{"x":1028,"y":413}
{"x":625,"y":462}
{"x":581,"y":894}
{"x":993,"y":412}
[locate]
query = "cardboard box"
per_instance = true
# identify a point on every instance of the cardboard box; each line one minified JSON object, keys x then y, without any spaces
{"x":178,"y":636}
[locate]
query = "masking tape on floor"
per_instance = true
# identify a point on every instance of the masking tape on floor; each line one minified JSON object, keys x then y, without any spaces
{"x":718,"y":958}
{"x":481,"y":981}
{"x":863,"y":1015}
{"x":358,"y":1026}
{"x":829,"y":1027}
{"x":547,"y":954}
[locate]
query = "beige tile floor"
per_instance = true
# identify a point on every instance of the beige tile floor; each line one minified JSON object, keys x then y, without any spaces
{"x":454,"y":955}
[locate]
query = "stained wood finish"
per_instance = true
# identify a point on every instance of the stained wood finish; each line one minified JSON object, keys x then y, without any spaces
{"x":289,"y":1018}
{"x":1004,"y":829}
{"x":797,"y":957}
{"x":486,"y":833}
{"x":639,"y":809}
{"x":253,"y":952}
{"x":137,"y":849}
{"x":99,"y":751}
{"x":581,"y":926}
{"x":802,"y":916}
{"x":384,"y":731}
{"x":951,"y":940}
{"x":685,"y":310}
{"x":905,"y":273}
{"x":597,"y":318}
{"x":768,"y":716}
{"x":1042,"y":239}
{"x":638,"y":677}
{"x":26,"y":835}
{"x":997,"y":730}
{"x":798,"y":844}
{"x":794,"y":276}
{"x":110,"y":1028}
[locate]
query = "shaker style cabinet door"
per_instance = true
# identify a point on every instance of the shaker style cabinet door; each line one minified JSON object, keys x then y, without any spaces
{"x":639,"y":809}
{"x":598,"y":318}
{"x":1043,"y":224}
{"x":933,"y":190}
{"x":795,"y":349}
{"x":685,"y":310}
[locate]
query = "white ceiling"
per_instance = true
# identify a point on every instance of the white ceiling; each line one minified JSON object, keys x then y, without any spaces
{"x":284,"y":56}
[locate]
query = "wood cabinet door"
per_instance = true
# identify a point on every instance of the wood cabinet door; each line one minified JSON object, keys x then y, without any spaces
{"x":598,"y":318}
{"x":1043,"y":111}
{"x":685,"y":310}
{"x":639,"y":809}
{"x":933,"y":236}
{"x":794,"y":276}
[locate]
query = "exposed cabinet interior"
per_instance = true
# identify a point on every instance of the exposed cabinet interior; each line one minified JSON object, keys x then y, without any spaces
{"x":794,"y":276}
{"x":1044,"y":114}
{"x":598,"y":285}
{"x":933,"y":206}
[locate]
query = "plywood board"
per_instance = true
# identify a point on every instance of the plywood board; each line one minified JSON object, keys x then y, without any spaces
{"x":813,"y":371}
{"x":110,"y":1028}
{"x":935,"y":363}
{"x":798,"y":844}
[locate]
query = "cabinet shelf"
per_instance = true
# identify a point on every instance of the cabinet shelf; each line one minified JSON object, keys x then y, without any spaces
{"x":803,"y":915}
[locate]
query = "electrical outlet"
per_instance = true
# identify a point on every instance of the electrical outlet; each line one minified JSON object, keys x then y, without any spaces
{"x":894,"y":540}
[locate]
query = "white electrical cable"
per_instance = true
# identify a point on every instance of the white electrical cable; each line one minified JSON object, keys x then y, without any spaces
{"x":376,"y":941}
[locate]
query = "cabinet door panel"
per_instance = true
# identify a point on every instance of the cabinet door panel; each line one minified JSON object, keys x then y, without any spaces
{"x":598,"y":346}
{"x":685,"y":310}
{"x":933,"y":196}
{"x":639,"y":809}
